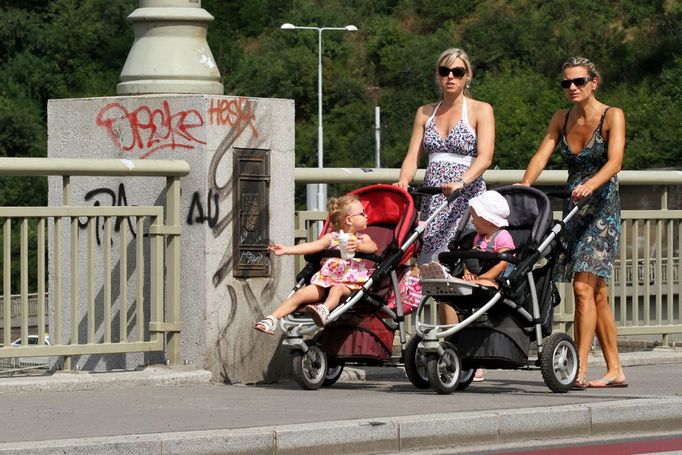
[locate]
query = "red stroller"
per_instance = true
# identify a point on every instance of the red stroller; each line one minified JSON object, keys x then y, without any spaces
{"x":360,"y":331}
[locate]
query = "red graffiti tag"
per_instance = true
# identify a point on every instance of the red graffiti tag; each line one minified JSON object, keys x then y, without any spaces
{"x":150,"y":130}
{"x":238,"y":113}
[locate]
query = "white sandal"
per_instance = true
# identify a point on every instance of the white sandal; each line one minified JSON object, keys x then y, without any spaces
{"x":319,"y":313}
{"x":267,"y":325}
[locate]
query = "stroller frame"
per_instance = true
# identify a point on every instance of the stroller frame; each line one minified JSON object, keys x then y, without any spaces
{"x":557,"y":355}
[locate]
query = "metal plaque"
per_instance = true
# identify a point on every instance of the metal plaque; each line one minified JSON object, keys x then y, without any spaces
{"x":251,"y":206}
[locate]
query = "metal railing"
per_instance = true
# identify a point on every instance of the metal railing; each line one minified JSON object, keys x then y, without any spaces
{"x":645,"y":299}
{"x":132,"y":332}
{"x":15,"y":307}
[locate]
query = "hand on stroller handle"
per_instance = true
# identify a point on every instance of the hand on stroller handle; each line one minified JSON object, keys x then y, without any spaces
{"x":430,"y":190}
{"x":566,"y":195}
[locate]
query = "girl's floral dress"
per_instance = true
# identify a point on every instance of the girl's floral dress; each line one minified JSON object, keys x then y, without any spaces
{"x":351,"y":272}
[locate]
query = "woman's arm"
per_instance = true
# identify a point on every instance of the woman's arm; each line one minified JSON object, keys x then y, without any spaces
{"x":616,"y":122}
{"x":411,"y":160}
{"x":549,"y":143}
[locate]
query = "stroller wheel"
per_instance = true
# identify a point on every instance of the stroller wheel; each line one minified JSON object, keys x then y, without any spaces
{"x":333,"y":375}
{"x":466,"y":377}
{"x":415,"y":364}
{"x":310,"y":368}
{"x":444,"y":370}
{"x":559,"y":362}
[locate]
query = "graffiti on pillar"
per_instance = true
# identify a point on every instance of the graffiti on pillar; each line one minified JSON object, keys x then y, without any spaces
{"x":239,"y":114}
{"x":148,"y":130}
{"x":115,"y":199}
{"x":196,"y":213}
{"x":235,"y":113}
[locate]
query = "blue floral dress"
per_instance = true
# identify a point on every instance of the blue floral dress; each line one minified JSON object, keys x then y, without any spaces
{"x":449,"y":159}
{"x":590,"y":240}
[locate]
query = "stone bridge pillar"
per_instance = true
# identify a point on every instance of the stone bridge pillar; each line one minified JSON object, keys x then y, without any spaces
{"x":220,"y":304}
{"x":172,"y":107}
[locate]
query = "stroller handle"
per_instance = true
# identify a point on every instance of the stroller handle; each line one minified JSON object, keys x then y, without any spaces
{"x":566,"y":195}
{"x":431,"y":190}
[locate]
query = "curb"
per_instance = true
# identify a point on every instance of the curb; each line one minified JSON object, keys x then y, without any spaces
{"x":388,"y":434}
{"x":155,"y":375}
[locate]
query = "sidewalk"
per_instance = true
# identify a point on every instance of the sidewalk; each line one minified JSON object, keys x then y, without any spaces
{"x":164,"y":410}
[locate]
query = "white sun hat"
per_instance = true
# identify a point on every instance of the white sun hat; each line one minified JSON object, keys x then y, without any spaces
{"x":491,"y":206}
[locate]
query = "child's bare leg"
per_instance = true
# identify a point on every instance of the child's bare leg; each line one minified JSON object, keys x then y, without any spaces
{"x":336,"y":293}
{"x":447,"y":314}
{"x":308,"y":294}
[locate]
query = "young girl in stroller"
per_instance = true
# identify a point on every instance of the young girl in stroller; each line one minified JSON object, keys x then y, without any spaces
{"x":338,"y":277}
{"x":488,"y":214}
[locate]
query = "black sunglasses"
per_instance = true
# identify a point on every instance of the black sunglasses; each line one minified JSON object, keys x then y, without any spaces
{"x":457,"y":71}
{"x":578,"y":81}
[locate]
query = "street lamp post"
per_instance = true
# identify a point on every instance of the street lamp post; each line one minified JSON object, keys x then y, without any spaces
{"x":321,"y":187}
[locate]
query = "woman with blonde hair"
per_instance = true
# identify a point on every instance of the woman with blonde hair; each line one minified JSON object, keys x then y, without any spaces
{"x":458,"y":135}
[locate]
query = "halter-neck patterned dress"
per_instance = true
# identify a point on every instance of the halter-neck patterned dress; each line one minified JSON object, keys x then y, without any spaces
{"x":449,"y":159}
{"x":590,"y":240}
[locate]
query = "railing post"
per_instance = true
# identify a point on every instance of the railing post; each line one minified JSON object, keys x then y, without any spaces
{"x":173,"y":270}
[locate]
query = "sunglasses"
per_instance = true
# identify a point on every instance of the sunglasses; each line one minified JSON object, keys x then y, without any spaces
{"x":458,"y":71}
{"x":578,"y":81}
{"x":359,"y":213}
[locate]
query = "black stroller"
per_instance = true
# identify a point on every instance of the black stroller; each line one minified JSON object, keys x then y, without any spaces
{"x":361,"y":330}
{"x":497,"y":325}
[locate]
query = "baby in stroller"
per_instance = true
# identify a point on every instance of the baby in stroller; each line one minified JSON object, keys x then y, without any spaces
{"x":499,"y":319}
{"x":488,"y":214}
{"x":338,"y":277}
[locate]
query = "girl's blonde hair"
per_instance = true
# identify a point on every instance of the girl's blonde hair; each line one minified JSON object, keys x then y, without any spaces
{"x":338,"y":209}
{"x":448,"y":57}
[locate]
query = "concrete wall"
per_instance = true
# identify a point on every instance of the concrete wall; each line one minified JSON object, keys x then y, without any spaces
{"x":218,"y":311}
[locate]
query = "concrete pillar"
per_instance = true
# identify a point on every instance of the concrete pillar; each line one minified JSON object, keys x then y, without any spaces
{"x":219,"y":309}
{"x":170,"y":53}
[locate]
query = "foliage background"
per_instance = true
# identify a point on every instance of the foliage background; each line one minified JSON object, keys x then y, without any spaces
{"x":77,"y":48}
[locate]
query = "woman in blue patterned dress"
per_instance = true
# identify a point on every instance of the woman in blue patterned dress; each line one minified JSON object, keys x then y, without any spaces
{"x":458,"y":134}
{"x":591,"y":139}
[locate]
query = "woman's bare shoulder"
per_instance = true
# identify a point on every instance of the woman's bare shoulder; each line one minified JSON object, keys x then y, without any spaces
{"x":480,"y":108}
{"x":427,"y":109}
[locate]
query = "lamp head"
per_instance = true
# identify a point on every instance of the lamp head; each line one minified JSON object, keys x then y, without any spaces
{"x":288,"y":26}
{"x":351,"y":28}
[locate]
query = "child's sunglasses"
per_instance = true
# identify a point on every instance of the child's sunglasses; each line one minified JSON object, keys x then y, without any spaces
{"x":578,"y":81}
{"x":458,"y":71}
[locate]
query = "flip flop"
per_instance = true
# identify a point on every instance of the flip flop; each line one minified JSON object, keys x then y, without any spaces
{"x":579,"y":384}
{"x":606,"y":383}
